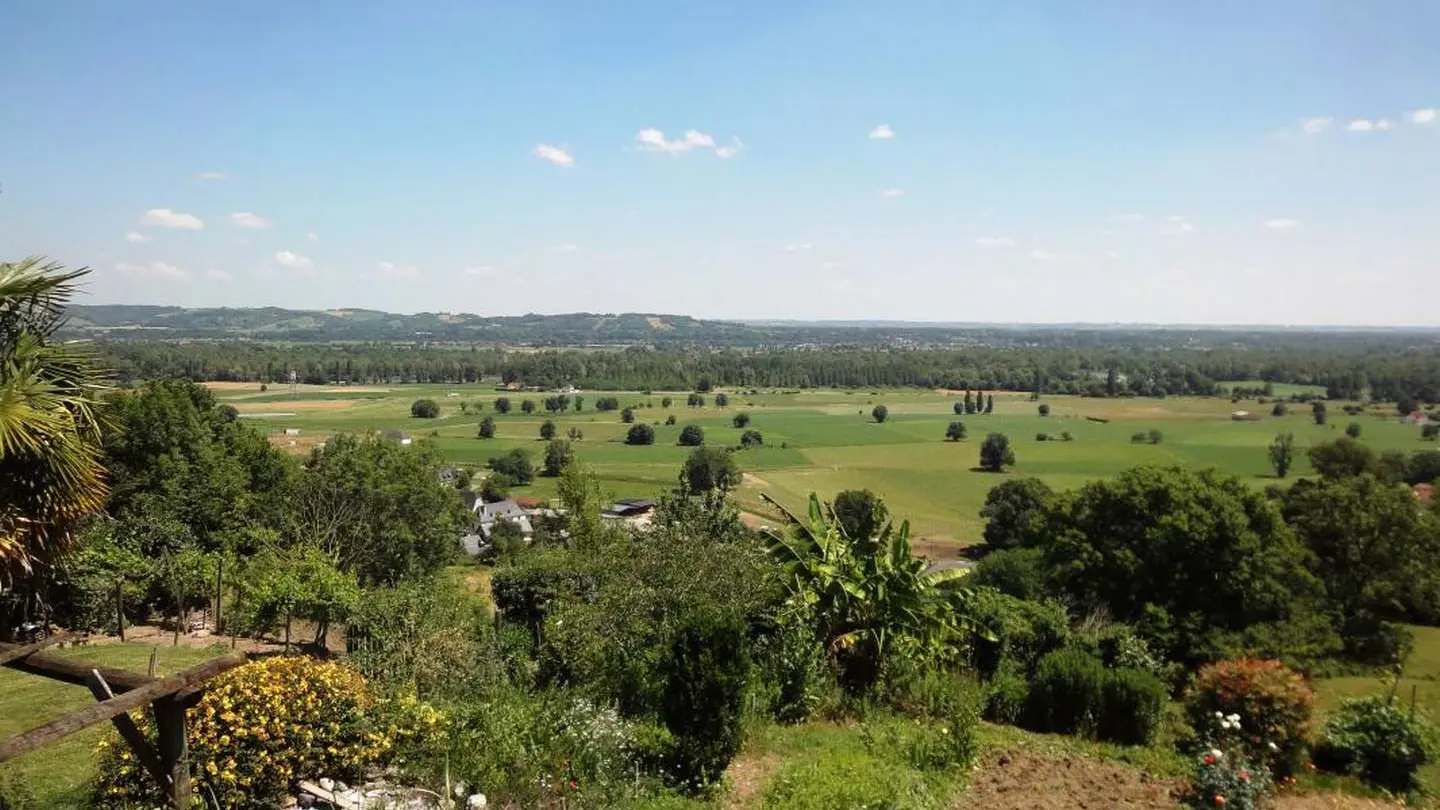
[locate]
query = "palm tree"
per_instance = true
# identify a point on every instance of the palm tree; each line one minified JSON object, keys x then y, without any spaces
{"x":50,"y":456}
{"x":870,"y":597}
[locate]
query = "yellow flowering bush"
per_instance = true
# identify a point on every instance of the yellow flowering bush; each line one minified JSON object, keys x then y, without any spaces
{"x":263,"y":726}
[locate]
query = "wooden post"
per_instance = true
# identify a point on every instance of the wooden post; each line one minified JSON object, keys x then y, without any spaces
{"x":131,"y":734}
{"x":219,"y":578}
{"x":174,"y":759}
{"x":154,"y":658}
{"x":289,"y":611}
{"x":120,"y":608}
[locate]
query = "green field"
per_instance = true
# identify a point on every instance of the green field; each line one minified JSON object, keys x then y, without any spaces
{"x":825,"y":440}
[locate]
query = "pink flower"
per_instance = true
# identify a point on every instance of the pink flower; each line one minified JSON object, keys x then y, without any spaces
{"x":1243,"y":775}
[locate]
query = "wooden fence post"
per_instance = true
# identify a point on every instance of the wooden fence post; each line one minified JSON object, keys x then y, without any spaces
{"x":120,"y":608}
{"x":219,"y":578}
{"x":174,"y":759}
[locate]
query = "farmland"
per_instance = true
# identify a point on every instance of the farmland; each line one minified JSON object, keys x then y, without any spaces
{"x":826,"y":441}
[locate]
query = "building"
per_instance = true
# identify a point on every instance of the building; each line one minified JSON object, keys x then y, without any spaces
{"x":488,"y":514}
{"x":397,"y":436}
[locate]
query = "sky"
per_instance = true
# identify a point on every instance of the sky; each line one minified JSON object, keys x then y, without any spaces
{"x":1231,"y":161}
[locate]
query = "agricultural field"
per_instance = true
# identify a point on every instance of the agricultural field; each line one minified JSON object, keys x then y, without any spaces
{"x":825,"y":440}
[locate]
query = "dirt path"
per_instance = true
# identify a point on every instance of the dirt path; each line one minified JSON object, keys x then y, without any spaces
{"x":747,"y":776}
{"x":1019,"y":780}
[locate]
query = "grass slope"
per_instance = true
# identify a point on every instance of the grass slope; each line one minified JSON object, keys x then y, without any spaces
{"x":59,"y":774}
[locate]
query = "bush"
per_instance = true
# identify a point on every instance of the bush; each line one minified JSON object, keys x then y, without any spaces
{"x":751,"y":439}
{"x":487,"y":428}
{"x":515,"y":464}
{"x":794,"y":671}
{"x":1023,"y":632}
{"x":670,"y":420}
{"x":627,"y":416}
{"x":1066,"y":693}
{"x":1044,"y":409}
{"x":1005,"y":696}
{"x":691,"y":436}
{"x":1131,"y":706}
{"x":1017,"y":572}
{"x":262,"y":726}
{"x":1273,"y":702}
{"x":741,"y":420}
{"x":1042,"y":437}
{"x":424,"y":409}
{"x":640,"y":435}
{"x":547,"y":429}
{"x":558,"y":456}
{"x":995,"y":453}
{"x":1379,"y":741}
{"x":707,"y":672}
{"x":1353,"y":430}
{"x":880,"y":413}
{"x":1279,"y":409}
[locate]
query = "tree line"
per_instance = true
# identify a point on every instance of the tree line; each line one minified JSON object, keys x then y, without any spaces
{"x":1346,"y":367}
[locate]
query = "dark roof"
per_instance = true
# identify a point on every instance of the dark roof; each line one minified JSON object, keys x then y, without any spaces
{"x":632,"y":506}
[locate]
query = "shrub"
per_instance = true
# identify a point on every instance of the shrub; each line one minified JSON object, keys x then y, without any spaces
{"x":1279,"y":409}
{"x":707,"y":672}
{"x":880,"y":413}
{"x":670,"y":420}
{"x":1229,"y":780}
{"x":1353,"y":430}
{"x":1131,"y":706}
{"x":1155,"y":436}
{"x":1066,"y":692}
{"x":1138,"y":438}
{"x":1044,"y":409}
{"x":515,"y":464}
{"x":1379,"y":741}
{"x":1018,"y":572}
{"x":424,"y":409}
{"x":1066,"y":437}
{"x":1022,"y":631}
{"x":640,"y":435}
{"x":751,"y":439}
{"x":487,"y":428}
{"x":741,"y":420}
{"x":691,"y":436}
{"x":547,"y":429}
{"x":1005,"y":696}
{"x":955,"y":432}
{"x":261,"y":727}
{"x":1042,"y":437}
{"x":558,"y":455}
{"x":793,"y":668}
{"x":995,"y":453}
{"x":1274,"y":704}
{"x":627,"y":416}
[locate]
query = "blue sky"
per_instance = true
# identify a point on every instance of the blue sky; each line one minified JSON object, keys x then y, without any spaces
{"x":1218,"y":162}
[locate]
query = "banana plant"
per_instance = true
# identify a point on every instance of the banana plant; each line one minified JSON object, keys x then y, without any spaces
{"x":867,"y":595}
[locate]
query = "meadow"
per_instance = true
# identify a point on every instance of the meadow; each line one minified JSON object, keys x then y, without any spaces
{"x":826,"y":441}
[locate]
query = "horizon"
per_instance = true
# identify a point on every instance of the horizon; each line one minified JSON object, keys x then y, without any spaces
{"x":841,"y":322}
{"x":1241,"y":165}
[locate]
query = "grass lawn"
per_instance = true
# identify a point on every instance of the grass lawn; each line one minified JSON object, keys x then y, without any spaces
{"x":826,"y":441}
{"x":59,"y":774}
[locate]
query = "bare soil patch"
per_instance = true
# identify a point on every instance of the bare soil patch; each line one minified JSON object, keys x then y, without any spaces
{"x":1329,"y":801}
{"x":297,"y":445}
{"x":746,"y":776}
{"x":1019,"y":780}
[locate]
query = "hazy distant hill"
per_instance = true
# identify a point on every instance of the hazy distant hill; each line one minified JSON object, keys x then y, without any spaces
{"x":274,"y":323}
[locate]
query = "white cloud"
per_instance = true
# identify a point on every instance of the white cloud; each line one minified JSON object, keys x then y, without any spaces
{"x":218,"y":275}
{"x":1360,"y":125}
{"x":797,"y":247}
{"x":1177,"y":226}
{"x":154,"y":271}
{"x":730,"y":150}
{"x":1424,"y":116}
{"x":653,"y":140}
{"x":294,"y":261}
{"x":554,"y":154}
{"x":1127,"y":218}
{"x":166,"y":218}
{"x":1384,"y":124}
{"x":1280,"y":224}
{"x":892,"y":193}
{"x":312,"y":237}
{"x":1315,"y":126}
{"x":882,"y":133}
{"x":136,"y":238}
{"x":212,"y":177}
{"x":245,"y":219}
{"x":994,"y":241}
{"x":393,"y":270}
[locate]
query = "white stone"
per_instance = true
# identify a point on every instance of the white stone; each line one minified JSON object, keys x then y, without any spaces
{"x":477,"y":801}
